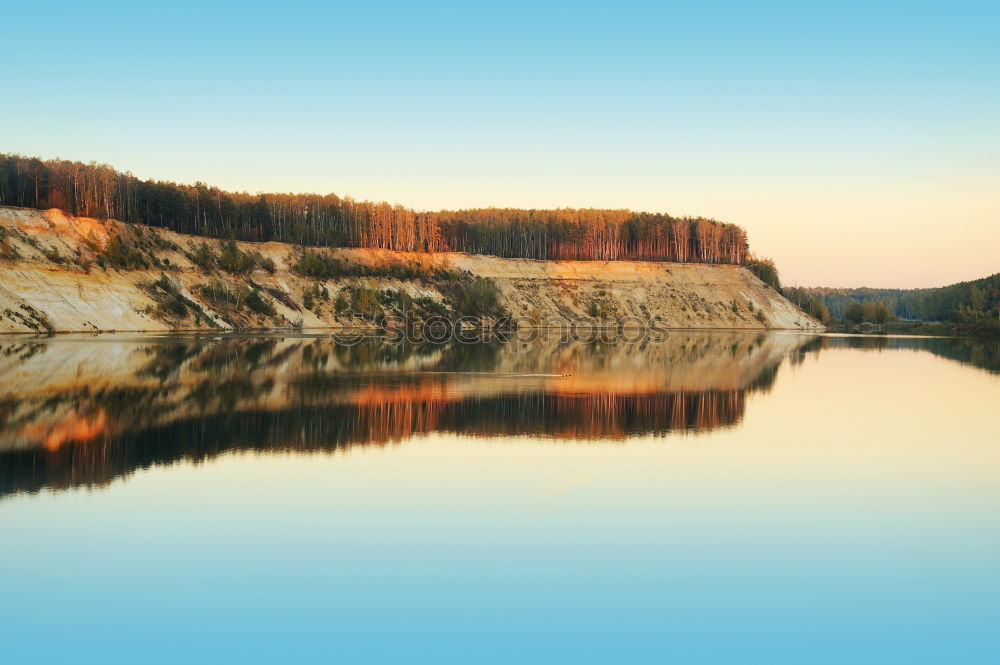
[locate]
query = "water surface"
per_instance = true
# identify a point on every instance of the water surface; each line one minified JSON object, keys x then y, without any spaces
{"x":704,"y":497}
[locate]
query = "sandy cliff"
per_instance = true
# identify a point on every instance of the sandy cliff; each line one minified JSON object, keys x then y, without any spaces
{"x":50,"y":279}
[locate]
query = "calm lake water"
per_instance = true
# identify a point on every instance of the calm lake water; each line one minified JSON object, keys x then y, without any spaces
{"x":699,"y":498}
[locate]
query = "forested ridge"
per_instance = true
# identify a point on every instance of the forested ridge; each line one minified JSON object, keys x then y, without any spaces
{"x":956,"y":302}
{"x":98,"y":190}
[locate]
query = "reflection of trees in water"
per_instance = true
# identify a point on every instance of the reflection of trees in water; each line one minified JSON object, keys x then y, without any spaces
{"x":191,"y":398}
{"x":330,"y":427}
{"x":984,"y":354}
{"x":599,"y":416}
{"x":981,"y":353}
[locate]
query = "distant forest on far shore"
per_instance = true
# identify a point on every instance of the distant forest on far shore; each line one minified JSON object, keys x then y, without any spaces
{"x":97,"y":190}
{"x":960,"y":302}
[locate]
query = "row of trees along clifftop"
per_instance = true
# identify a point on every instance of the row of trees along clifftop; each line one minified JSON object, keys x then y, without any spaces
{"x":97,"y":190}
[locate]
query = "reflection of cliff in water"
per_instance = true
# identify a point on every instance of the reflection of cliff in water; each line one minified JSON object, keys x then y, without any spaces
{"x":84,"y":412}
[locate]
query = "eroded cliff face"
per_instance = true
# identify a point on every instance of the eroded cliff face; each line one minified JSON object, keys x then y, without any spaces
{"x":51,"y":279}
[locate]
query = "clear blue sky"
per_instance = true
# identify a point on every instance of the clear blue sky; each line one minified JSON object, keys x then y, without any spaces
{"x":823,"y":128}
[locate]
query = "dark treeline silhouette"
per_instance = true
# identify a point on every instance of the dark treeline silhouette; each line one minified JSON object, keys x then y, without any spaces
{"x":765,"y":270}
{"x":962,"y":301}
{"x":97,"y":190}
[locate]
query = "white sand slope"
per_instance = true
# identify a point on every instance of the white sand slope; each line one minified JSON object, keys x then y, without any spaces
{"x":72,"y":293}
